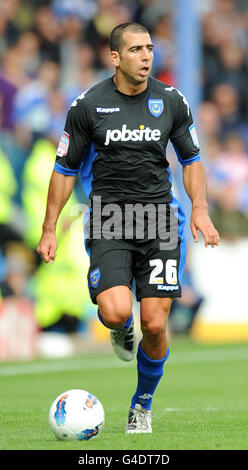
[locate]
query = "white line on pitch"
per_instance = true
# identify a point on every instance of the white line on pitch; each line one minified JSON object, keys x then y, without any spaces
{"x":189,"y":410}
{"x":108,"y":362}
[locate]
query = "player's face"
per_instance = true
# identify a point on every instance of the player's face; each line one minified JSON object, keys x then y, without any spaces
{"x":134,"y":62}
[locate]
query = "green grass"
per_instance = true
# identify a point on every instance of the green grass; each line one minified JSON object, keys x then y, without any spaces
{"x":201,"y":402}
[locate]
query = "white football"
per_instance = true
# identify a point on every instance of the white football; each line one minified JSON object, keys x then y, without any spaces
{"x":76,"y":415}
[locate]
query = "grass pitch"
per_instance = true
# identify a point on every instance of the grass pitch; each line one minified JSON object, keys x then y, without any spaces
{"x":200,"y":404}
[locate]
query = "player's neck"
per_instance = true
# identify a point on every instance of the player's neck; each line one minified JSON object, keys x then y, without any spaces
{"x":128,"y":88}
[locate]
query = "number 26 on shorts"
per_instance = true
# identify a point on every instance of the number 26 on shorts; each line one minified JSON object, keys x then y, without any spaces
{"x":158,"y":268}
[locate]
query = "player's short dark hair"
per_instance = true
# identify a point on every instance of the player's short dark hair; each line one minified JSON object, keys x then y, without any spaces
{"x":115,"y":39}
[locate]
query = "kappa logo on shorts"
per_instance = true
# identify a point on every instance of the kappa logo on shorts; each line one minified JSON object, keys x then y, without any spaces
{"x":168,"y":288}
{"x":156,"y":107}
{"x":95,"y":277}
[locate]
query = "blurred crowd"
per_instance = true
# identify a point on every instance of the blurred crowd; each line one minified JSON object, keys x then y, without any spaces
{"x":50,"y":52}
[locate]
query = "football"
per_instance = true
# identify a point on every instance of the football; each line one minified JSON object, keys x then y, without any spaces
{"x":76,"y":415}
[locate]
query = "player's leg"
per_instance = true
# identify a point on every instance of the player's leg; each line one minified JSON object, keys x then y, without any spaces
{"x":152,"y":353}
{"x":154,"y":318}
{"x":110,"y":285}
{"x":153,"y":349}
{"x":115,"y":306}
{"x":158,"y":275}
{"x":115,"y":312}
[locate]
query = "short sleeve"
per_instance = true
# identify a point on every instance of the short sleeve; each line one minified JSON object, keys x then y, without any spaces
{"x":183,"y":134}
{"x":75,"y":139}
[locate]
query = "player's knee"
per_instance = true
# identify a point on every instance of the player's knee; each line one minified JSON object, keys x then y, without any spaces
{"x":114,"y":315}
{"x":154,"y":320}
{"x":115,"y":306}
{"x":155,"y":328}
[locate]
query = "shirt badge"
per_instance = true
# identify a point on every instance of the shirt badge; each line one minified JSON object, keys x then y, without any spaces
{"x":193,"y":134}
{"x":156,"y":107}
{"x":95,"y":277}
{"x":63,"y":145}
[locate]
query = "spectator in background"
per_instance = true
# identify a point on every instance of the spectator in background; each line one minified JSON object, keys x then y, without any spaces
{"x":109,"y":14}
{"x":228,"y":185}
{"x":222,"y":28}
{"x":228,"y":172}
{"x":85,"y":70}
{"x":84,"y":10}
{"x":12,"y":68}
{"x":39,"y":162}
{"x":7,"y":96}
{"x":151,"y":10}
{"x":9,"y":31}
{"x":234,"y":71}
{"x":209,"y":119}
{"x":57,"y":105}
{"x":83,"y":73}
{"x":104,"y":63}
{"x":184,"y":309}
{"x":14,"y":78}
{"x":13,"y":144}
{"x":19,"y":330}
{"x":227,"y":101}
{"x":72,"y":31}
{"x":19,"y":266}
{"x":8,"y":188}
{"x":32,"y":110}
{"x":48,"y":31}
{"x":64,"y":313}
{"x":209,"y":124}
{"x":28,"y":47}
{"x":164,"y":50}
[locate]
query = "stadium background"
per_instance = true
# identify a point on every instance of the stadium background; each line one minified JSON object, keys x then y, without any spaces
{"x":51,"y":51}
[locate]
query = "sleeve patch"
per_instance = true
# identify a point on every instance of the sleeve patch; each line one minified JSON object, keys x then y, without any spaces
{"x":63,"y":145}
{"x":193,"y":134}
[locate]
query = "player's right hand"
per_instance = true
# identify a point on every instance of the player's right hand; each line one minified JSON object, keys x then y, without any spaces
{"x":200,"y":220}
{"x":47,"y":247}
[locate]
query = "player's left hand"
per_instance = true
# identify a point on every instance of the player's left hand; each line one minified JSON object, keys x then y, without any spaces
{"x":200,"y":220}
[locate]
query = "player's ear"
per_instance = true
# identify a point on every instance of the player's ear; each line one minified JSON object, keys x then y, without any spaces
{"x":115,"y":56}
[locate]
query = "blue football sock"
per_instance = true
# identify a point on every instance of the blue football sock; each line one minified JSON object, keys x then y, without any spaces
{"x":125,"y":325}
{"x":150,"y":372}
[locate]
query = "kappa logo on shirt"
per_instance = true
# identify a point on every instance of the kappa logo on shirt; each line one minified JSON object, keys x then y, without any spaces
{"x":107,"y":110}
{"x":136,"y":135}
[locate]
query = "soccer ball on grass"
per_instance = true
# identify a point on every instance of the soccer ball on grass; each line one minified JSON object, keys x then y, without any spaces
{"x":76,"y":415}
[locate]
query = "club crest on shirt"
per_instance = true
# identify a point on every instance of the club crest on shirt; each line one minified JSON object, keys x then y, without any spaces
{"x":156,"y":107}
{"x":95,"y":277}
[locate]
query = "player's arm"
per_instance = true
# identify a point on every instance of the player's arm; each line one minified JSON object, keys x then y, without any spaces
{"x":69,"y":158}
{"x":194,"y":179}
{"x":184,"y":139}
{"x":60,"y":189}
